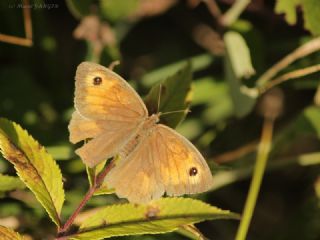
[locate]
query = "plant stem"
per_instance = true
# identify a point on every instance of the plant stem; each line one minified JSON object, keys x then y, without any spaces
{"x":262,"y":156}
{"x":234,"y":12}
{"x":96,"y":184}
{"x":302,"y":51}
{"x":213,"y":8}
{"x":290,"y":75}
{"x":27,"y":20}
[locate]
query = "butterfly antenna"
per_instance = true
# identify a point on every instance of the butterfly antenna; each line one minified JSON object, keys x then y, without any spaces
{"x":177,"y":111}
{"x":159,"y":96}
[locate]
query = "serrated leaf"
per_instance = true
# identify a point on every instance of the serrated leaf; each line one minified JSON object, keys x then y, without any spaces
{"x":160,"y":216}
{"x":311,"y":13}
{"x":35,"y":167}
{"x":175,"y":96}
{"x":9,"y":234}
{"x":237,"y":66}
{"x":79,"y":9}
{"x":116,"y":10}
{"x":9,"y":183}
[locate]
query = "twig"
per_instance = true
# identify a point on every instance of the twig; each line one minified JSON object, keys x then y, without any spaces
{"x":27,"y":20}
{"x":213,"y":8}
{"x":290,"y":75}
{"x":15,"y":40}
{"x":26,"y":41}
{"x":259,"y":169}
{"x":302,"y":51}
{"x":234,"y":12}
{"x":95,"y":185}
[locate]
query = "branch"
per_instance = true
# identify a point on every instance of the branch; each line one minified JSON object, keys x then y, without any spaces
{"x":96,"y":184}
{"x":15,"y":40}
{"x":290,"y":75}
{"x":302,"y":51}
{"x":26,"y":41}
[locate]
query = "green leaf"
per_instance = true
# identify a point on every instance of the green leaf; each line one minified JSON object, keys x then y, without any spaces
{"x":175,"y":96}
{"x":79,"y":9}
{"x":317,"y":97}
{"x":237,"y":66}
{"x":191,"y":232}
{"x":9,"y":234}
{"x":311,"y":13}
{"x":35,"y":167}
{"x":288,"y":7}
{"x":116,"y":10}
{"x":215,"y":94}
{"x":9,"y":183}
{"x":199,"y":62}
{"x":238,"y":55}
{"x":161,"y":216}
{"x":92,"y":173}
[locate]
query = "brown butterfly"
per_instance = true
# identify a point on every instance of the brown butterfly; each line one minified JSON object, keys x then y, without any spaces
{"x":154,"y":159}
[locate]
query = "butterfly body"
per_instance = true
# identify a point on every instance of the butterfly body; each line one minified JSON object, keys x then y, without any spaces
{"x":154,"y":159}
{"x":145,"y":128}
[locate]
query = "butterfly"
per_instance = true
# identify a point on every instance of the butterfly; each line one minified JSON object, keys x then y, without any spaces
{"x":154,"y":159}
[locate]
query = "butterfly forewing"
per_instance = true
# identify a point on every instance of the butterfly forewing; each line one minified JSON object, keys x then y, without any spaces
{"x":108,"y":111}
{"x":104,"y":95}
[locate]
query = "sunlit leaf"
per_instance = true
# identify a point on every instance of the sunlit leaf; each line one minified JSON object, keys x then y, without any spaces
{"x":34,"y":166}
{"x":288,"y":7}
{"x":9,"y":234}
{"x":161,"y":216}
{"x":175,"y":96}
{"x":311,"y":12}
{"x":238,"y":66}
{"x":9,"y":183}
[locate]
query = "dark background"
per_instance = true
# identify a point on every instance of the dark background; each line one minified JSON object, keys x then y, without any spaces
{"x":37,"y":87}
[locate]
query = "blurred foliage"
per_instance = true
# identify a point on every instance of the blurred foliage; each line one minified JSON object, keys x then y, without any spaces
{"x":153,"y":39}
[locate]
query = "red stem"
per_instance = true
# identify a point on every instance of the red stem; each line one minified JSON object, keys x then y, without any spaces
{"x":96,"y":184}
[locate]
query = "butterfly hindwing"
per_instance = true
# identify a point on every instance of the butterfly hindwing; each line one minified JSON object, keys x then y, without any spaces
{"x":163,"y":161}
